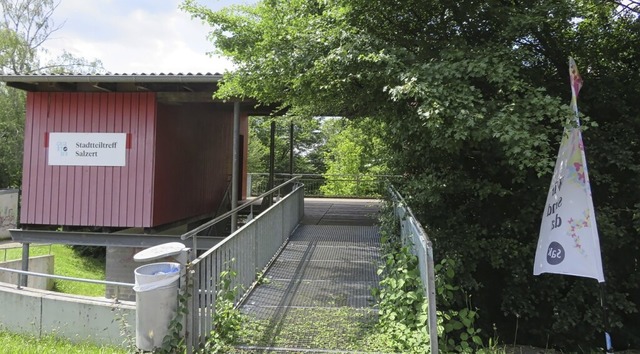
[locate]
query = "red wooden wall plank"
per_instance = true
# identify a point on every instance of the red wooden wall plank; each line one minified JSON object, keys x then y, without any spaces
{"x":92,"y":187}
{"x":78,"y":208}
{"x":140,"y":158}
{"x":53,"y":125}
{"x":109,"y":123}
{"x":100,"y":171}
{"x":117,"y":172}
{"x":124,"y":173}
{"x":72,"y":115}
{"x":44,"y":173}
{"x":130,"y":201}
{"x":84,"y":170}
{"x":149,"y":167}
{"x":60,"y":201}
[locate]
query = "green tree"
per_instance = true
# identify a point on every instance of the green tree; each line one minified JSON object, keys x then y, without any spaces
{"x":471,"y":98}
{"x":303,"y":48}
{"x":12,"y":103}
{"x":305,"y":144}
{"x":258,"y":157}
{"x":354,"y":155}
{"x":68,"y":63}
{"x":24,"y":26}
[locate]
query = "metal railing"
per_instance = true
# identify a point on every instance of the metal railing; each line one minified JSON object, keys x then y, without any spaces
{"x":117,"y":285}
{"x":413,"y":235}
{"x":5,"y":250}
{"x":338,"y":186}
{"x":276,"y":193}
{"x":247,"y":251}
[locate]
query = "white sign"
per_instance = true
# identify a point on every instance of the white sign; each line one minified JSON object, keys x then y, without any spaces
{"x":87,"y":149}
{"x":568,"y":242}
{"x":8,"y":211}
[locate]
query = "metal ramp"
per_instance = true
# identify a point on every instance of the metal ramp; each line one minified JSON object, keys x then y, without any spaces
{"x":317,"y":298}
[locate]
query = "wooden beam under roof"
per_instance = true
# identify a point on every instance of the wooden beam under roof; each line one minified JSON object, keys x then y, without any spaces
{"x":63,"y":86}
{"x":23,"y":86}
{"x":106,"y":87}
{"x":185,"y":97}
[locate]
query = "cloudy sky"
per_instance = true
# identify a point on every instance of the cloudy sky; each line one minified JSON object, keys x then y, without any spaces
{"x":136,"y":36}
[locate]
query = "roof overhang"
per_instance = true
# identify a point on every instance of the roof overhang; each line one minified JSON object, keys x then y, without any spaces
{"x":115,"y":82}
{"x":170,"y":88}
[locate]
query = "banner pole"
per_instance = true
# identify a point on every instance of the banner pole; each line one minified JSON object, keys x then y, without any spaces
{"x":605,"y":318}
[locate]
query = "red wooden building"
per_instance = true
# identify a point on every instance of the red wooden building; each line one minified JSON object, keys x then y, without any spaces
{"x":124,"y":151}
{"x":127,"y":161}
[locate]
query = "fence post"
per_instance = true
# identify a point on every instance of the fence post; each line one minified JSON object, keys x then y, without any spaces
{"x":25,"y":263}
{"x":191,"y":338}
{"x":431,"y":299}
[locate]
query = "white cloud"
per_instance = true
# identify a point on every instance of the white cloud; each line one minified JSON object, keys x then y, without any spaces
{"x":141,"y":36}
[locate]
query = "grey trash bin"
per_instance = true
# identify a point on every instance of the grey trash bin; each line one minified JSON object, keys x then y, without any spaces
{"x":156,"y":287}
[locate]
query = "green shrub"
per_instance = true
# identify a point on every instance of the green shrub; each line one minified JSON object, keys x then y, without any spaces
{"x":98,"y":252}
{"x":403,"y":315}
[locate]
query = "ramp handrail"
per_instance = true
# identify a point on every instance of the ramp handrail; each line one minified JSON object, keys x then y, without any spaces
{"x":247,"y":251}
{"x":62,"y":277}
{"x":364,"y":185}
{"x":414,"y":235}
{"x":208,"y":224}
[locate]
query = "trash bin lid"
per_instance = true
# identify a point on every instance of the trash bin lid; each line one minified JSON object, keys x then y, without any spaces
{"x":159,"y":251}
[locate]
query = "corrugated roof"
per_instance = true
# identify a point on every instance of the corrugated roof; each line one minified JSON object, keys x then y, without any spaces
{"x":171,"y":88}
{"x":115,"y":82}
{"x":118,"y":74}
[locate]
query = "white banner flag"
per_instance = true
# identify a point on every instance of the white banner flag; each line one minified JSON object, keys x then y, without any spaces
{"x":568,"y":242}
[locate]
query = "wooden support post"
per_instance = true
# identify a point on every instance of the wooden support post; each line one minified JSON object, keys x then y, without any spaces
{"x":235,"y":171}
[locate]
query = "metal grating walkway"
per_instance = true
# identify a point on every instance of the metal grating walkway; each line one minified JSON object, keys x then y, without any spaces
{"x":318,"y":295}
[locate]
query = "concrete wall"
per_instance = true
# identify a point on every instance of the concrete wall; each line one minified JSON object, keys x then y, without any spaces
{"x":77,"y":318}
{"x":8,"y":211}
{"x":120,"y":267}
{"x":39,"y":264}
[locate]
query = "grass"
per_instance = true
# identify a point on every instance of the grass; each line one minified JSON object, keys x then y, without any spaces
{"x":26,"y":344}
{"x":68,"y":263}
{"x":340,"y":328}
